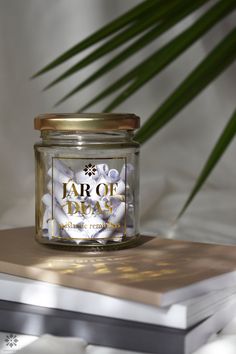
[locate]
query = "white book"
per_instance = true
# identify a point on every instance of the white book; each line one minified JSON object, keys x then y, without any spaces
{"x":181,"y":315}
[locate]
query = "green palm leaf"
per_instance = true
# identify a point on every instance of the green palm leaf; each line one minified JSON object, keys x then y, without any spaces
{"x":151,"y":35}
{"x":162,"y":57}
{"x":174,"y":48}
{"x":149,"y":20}
{"x":219,"y":149}
{"x":112,"y":27}
{"x":121,"y":38}
{"x":112,"y":88}
{"x":215,"y":62}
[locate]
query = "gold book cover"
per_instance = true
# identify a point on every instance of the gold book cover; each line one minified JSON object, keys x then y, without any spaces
{"x":157,"y":272}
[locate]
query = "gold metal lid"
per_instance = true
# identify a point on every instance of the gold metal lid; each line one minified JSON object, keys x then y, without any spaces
{"x":87,"y":121}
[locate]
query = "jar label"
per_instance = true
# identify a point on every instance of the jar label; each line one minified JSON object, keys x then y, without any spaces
{"x":88,"y":198}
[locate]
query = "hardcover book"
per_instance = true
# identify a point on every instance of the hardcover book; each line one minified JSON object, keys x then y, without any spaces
{"x":157,"y":272}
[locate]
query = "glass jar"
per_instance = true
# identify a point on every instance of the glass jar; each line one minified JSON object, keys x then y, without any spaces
{"x":87,"y":180}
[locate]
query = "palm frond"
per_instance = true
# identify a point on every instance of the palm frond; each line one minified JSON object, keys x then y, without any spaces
{"x":164,"y":56}
{"x":147,"y":21}
{"x":112,"y":27}
{"x":174,"y":48}
{"x":148,"y":37}
{"x":126,"y":35}
{"x":216,"y":61}
{"x":223,"y":142}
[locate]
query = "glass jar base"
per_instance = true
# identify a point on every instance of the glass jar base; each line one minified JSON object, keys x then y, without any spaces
{"x":90,"y":246}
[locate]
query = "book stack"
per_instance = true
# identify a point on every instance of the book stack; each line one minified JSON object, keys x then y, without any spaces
{"x":163,"y":296}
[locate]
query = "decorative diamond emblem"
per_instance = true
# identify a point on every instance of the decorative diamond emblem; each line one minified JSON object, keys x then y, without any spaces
{"x":90,"y":169}
{"x":11,"y":340}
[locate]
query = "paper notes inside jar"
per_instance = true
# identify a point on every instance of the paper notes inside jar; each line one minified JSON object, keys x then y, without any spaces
{"x":90,"y":202}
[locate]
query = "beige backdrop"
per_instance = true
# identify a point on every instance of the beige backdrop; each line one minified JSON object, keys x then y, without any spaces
{"x":31,"y":34}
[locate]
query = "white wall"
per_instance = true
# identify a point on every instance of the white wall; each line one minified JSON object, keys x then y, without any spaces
{"x":34,"y":32}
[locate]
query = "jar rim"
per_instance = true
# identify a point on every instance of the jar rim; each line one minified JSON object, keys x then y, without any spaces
{"x":86,"y":121}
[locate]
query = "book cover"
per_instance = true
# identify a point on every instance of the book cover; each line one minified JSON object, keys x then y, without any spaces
{"x":157,"y":272}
